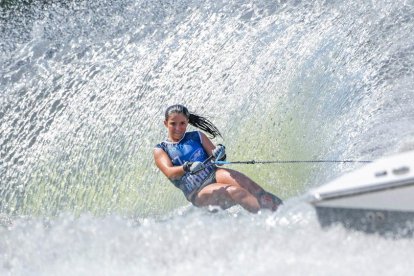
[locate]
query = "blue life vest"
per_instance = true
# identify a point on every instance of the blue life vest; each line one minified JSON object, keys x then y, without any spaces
{"x":190,"y":149}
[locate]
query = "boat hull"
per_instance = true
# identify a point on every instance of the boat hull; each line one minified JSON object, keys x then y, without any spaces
{"x":377,"y":198}
{"x":383,"y":222}
{"x":398,"y":198}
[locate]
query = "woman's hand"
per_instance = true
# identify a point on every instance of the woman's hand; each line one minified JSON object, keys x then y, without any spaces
{"x":219,"y":153}
{"x":193,"y":167}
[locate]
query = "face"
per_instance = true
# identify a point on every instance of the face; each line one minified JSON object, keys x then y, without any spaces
{"x":176,"y":125}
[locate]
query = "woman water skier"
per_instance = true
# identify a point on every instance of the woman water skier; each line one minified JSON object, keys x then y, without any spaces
{"x":186,"y":160}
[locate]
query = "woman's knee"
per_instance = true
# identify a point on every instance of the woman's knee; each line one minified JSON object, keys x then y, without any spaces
{"x":237,"y":193}
{"x":243,"y":197}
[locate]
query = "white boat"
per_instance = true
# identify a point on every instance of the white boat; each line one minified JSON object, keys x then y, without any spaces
{"x":379,"y":197}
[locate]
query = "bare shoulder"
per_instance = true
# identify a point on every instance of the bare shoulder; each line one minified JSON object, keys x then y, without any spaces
{"x":204,"y":139}
{"x":207,"y":143}
{"x":159,"y":153}
{"x":203,"y":135}
{"x":162,"y":160}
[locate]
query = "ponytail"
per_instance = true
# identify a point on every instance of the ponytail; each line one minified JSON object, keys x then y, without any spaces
{"x":194,"y":120}
{"x":204,"y":124}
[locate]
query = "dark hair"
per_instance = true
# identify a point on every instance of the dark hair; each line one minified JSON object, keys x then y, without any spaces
{"x":194,"y":119}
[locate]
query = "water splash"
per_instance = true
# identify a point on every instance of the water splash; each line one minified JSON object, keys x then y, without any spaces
{"x":83,"y":88}
{"x":85,"y":85}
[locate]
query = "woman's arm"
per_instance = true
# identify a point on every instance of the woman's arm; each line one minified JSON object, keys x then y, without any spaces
{"x":207,"y":144}
{"x":164,"y":163}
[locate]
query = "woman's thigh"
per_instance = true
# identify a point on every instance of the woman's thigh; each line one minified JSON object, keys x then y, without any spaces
{"x":236,"y":178}
{"x":214,"y":194}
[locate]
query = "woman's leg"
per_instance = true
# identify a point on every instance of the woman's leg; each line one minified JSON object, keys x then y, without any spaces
{"x":233,"y":177}
{"x":266,"y":200}
{"x":225,"y":196}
